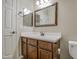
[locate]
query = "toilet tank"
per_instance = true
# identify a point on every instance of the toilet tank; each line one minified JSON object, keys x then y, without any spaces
{"x":73,"y":48}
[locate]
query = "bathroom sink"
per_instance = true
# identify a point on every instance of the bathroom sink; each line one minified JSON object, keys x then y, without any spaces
{"x":48,"y":36}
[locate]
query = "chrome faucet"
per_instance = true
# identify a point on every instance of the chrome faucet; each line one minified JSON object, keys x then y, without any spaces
{"x":42,"y":33}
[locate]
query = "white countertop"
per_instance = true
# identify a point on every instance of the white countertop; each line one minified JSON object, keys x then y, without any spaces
{"x":48,"y":36}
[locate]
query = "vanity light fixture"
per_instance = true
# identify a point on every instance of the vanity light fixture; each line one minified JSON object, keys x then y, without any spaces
{"x":46,"y":0}
{"x":20,"y":13}
{"x":26,"y":11}
{"x":38,"y":3}
{"x":42,"y":3}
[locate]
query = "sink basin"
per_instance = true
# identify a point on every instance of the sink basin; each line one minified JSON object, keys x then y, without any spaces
{"x":48,"y":36}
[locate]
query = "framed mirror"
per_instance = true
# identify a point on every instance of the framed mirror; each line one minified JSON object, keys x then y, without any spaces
{"x":46,"y":16}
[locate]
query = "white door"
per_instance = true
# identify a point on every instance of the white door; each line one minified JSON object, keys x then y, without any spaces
{"x":9,"y":27}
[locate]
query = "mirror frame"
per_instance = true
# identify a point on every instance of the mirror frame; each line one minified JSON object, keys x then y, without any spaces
{"x":56,"y":11}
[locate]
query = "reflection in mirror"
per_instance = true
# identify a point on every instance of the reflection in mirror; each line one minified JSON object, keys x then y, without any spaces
{"x":46,"y":16}
{"x":27,"y":6}
{"x":28,"y":20}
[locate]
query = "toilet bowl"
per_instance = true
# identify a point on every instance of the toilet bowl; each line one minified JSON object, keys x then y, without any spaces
{"x":73,"y":49}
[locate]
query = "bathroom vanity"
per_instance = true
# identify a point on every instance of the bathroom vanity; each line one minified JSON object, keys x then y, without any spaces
{"x":39,"y":48}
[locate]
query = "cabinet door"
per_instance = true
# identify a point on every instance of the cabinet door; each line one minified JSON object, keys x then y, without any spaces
{"x":43,"y":54}
{"x":32,"y":52}
{"x":24,"y":49}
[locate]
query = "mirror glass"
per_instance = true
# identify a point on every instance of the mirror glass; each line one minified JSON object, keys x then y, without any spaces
{"x":27,"y":6}
{"x":46,"y":16}
{"x":28,"y":19}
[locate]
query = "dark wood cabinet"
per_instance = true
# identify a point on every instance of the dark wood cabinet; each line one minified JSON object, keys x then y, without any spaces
{"x":32,"y":52}
{"x":32,"y":42}
{"x":36,"y":49}
{"x":24,"y":50}
{"x":24,"y":47}
{"x":45,"y":45}
{"x":43,"y":54}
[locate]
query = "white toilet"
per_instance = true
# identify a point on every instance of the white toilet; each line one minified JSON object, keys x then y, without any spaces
{"x":73,"y":49}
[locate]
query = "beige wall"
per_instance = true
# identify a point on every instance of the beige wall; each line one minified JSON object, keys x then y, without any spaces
{"x":67,"y":20}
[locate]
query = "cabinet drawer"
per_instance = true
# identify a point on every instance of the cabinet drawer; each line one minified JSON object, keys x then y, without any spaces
{"x":32,"y":42}
{"x":24,"y":39}
{"x":45,"y":45}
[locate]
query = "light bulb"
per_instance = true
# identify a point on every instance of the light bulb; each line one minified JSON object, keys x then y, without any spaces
{"x":46,"y":0}
{"x":37,"y":3}
{"x":25,"y":9}
{"x":42,"y":1}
